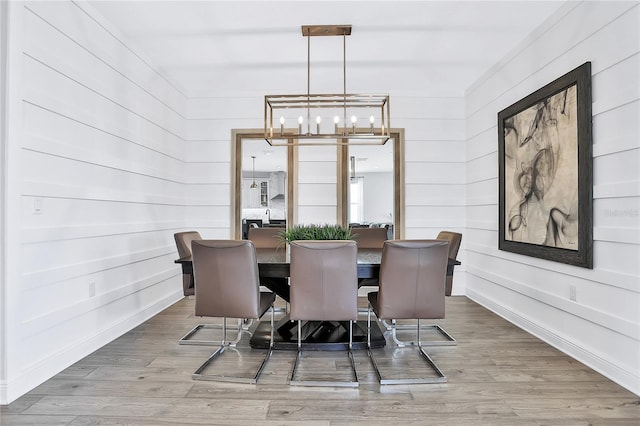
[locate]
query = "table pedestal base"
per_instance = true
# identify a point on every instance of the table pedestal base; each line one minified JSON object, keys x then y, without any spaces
{"x":317,"y":335}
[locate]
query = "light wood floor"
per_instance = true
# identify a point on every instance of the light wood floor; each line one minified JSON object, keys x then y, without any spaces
{"x":498,"y":375}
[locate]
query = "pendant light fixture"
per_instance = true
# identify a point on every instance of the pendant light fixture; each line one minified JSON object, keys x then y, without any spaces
{"x":352,"y":175}
{"x":254,"y":185}
{"x":335,"y":116}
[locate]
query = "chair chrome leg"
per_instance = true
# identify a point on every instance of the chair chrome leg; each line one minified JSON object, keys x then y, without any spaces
{"x":332,"y":383}
{"x":369,"y":327}
{"x":247,"y":323}
{"x":393,"y":327}
{"x":449,"y":342}
{"x":188,"y":339}
{"x":198,"y":374}
{"x":440,"y":377}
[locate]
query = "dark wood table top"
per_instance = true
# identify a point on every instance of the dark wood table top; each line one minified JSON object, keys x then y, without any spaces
{"x":275,"y":262}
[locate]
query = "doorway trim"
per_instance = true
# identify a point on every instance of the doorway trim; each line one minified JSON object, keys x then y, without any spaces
{"x":237,"y":136}
{"x":397,"y":136}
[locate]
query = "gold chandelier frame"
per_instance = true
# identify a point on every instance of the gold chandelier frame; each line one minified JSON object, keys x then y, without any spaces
{"x":343,"y":107}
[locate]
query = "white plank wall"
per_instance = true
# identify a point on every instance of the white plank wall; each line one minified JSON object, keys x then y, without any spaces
{"x":210,"y":121}
{"x":108,"y":159}
{"x":434,"y":165}
{"x":98,"y":190}
{"x":602,"y":327}
{"x":4,"y":32}
{"x":435,"y":183}
{"x":435,"y":172}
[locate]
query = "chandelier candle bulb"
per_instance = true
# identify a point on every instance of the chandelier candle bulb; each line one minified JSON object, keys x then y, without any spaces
{"x":300,"y":125}
{"x":318,"y":121}
{"x":282,"y":125}
{"x":371,"y":120}
{"x":336,"y":121}
{"x":353,"y":122}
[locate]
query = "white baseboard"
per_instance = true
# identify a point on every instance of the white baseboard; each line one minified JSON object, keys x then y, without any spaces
{"x":622,"y":377}
{"x":49,"y":367}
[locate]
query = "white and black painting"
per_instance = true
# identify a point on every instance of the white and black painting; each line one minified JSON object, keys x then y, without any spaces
{"x":541,"y":173}
{"x":545,"y":181}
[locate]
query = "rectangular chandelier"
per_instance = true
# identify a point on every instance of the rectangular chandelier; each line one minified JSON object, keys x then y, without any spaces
{"x":326,"y":119}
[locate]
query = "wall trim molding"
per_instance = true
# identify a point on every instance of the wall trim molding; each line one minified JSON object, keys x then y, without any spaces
{"x":65,"y":313}
{"x":620,"y":376}
{"x":602,"y":276}
{"x":616,"y":324}
{"x":54,"y":364}
{"x":4,"y":35}
{"x":36,"y":279}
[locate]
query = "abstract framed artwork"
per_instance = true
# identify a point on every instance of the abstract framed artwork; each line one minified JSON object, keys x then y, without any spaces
{"x":546,"y":172}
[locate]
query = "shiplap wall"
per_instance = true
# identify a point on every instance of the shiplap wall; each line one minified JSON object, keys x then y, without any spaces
{"x":435,"y":175}
{"x":97,"y":190}
{"x":602,"y":327}
{"x":434,"y":165}
{"x":3,"y":180}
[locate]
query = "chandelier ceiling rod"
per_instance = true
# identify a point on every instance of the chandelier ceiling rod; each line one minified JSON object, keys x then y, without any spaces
{"x":343,"y":30}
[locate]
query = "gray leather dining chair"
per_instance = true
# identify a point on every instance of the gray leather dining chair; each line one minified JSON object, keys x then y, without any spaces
{"x":183,"y":244}
{"x":454,"y":239}
{"x":265,"y":237}
{"x":324,"y":287}
{"x":370,"y":238}
{"x":412,"y":277}
{"x":227,"y":285}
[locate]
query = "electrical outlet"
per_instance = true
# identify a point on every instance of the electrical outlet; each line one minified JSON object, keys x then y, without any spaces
{"x":572,"y":292}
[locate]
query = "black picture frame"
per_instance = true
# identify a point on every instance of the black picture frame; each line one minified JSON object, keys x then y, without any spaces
{"x":546,"y":172}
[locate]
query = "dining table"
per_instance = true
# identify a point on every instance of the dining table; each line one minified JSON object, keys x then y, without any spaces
{"x":274,"y":271}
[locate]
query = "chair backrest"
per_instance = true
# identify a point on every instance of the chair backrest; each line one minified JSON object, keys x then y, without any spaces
{"x":183,"y":243}
{"x":324,"y":280}
{"x":412,"y":279}
{"x":226,"y":278}
{"x":454,"y":239}
{"x":370,"y":238}
{"x":265,"y":237}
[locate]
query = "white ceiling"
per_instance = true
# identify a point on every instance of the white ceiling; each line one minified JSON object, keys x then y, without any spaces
{"x":253,"y":48}
{"x":217,"y":48}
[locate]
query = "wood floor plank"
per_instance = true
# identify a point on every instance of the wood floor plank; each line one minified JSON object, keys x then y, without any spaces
{"x":362,"y":410}
{"x":570,"y":407}
{"x":31,"y":420}
{"x":498,"y":375}
{"x":173,"y":421}
{"x":144,"y":406}
{"x":107,"y":388}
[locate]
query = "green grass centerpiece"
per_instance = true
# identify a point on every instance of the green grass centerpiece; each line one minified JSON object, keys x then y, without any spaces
{"x":315,"y":232}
